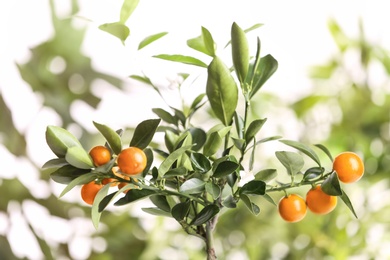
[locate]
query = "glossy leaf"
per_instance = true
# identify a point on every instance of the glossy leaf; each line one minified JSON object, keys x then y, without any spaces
{"x":198,"y":138}
{"x":182,"y":59}
{"x":266,"y":175}
{"x":79,"y":158}
{"x":213,"y":189}
{"x":313,"y":173}
{"x":253,"y":208}
{"x":112,"y":137}
{"x":165,"y":116}
{"x":152,"y":38}
{"x":200,"y":163}
{"x":144,"y":132}
{"x":326,"y":151}
{"x":293,"y":162}
{"x":134,"y":195}
{"x":348,"y":203}
{"x":224,"y":168}
{"x":203,"y":43}
{"x":213,"y":143}
{"x":59,"y":140}
{"x":180,"y":210}
{"x":331,"y":185}
{"x":253,"y":128}
{"x":55,"y":163}
{"x":267,"y":67}
{"x":157,"y":212}
{"x":171,"y":159}
{"x":230,"y":202}
{"x":254,"y":187}
{"x":240,"y":52}
{"x":95,"y":213}
{"x":304,"y":149}
{"x":178,"y":171}
{"x":82,"y":179}
{"x":192,"y":186}
{"x":205,"y":215}
{"x":67,"y":173}
{"x":116,"y":29}
{"x":221,"y":90}
{"x":160,"y":201}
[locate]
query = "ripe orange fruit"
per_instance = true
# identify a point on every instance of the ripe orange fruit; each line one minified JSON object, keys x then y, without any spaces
{"x":89,"y":191}
{"x":349,"y":167}
{"x":292,"y":208}
{"x":121,"y":185}
{"x":100,"y":155}
{"x":131,"y":160}
{"x":319,"y":202}
{"x":112,"y":181}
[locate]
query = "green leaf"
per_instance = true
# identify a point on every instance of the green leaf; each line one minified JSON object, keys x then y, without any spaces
{"x":213,"y":143}
{"x":203,"y":43}
{"x":200,"y":163}
{"x":224,"y":168}
{"x":205,"y":215}
{"x":253,"y":27}
{"x":326,"y":151}
{"x":213,"y":189}
{"x":55,"y":163}
{"x":331,"y":185}
{"x":144,"y":132}
{"x":304,"y":149}
{"x":221,"y":90}
{"x":179,"y":171}
{"x":306,"y":104}
{"x":253,"y":129}
{"x":266,"y":175}
{"x":149,"y":161}
{"x":180,"y":210}
{"x":82,"y":179}
{"x":59,"y":140}
{"x":267,"y":67}
{"x":293,"y":162}
{"x":134,"y":195}
{"x":66,"y":174}
{"x":348,"y":203}
{"x":95,"y":213}
{"x":269,"y":199}
{"x":255,"y":187}
{"x":157,"y":212}
{"x":165,"y":115}
{"x":160,"y":201}
{"x":199,"y":138}
{"x":253,"y":208}
{"x":148,"y":40}
{"x":197,"y":102}
{"x":192,"y":186}
{"x":230,"y":202}
{"x":254,"y":66}
{"x":182,"y":59}
{"x":313,"y":173}
{"x":111,"y":136}
{"x":240,"y":52}
{"x":127,"y":9}
{"x":239,"y":122}
{"x":106,"y":200}
{"x":116,"y":29}
{"x":169,"y":161}
{"x":79,"y":158}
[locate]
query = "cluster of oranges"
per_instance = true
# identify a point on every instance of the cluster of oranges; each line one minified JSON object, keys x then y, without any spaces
{"x":349,"y":168}
{"x":130,"y":161}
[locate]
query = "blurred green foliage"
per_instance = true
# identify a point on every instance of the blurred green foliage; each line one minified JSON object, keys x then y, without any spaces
{"x":358,"y":120}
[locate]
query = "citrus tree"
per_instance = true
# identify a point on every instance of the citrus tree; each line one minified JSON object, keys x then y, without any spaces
{"x":200,"y":170}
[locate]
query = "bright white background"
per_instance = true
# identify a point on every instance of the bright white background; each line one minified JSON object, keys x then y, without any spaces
{"x":294,"y":32}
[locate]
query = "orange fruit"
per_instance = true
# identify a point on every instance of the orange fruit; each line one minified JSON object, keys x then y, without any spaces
{"x":131,"y":160}
{"x":112,"y":181}
{"x":319,"y":202}
{"x":292,"y":208}
{"x":89,"y":191}
{"x":349,"y":167}
{"x":100,"y":155}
